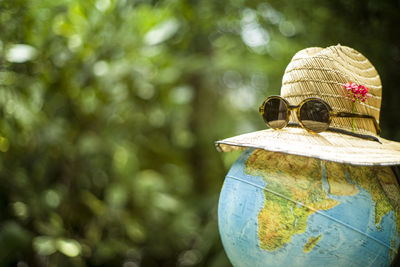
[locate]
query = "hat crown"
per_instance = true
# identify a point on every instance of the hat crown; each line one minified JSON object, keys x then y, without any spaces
{"x":318,"y":72}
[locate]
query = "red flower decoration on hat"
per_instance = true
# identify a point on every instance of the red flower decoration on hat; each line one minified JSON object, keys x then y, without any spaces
{"x":357,"y":92}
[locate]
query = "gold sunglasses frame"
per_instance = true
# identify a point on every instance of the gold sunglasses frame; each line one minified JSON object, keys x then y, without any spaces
{"x":332,"y":113}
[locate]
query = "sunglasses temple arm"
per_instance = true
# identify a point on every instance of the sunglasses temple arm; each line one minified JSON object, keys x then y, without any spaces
{"x":358,"y":115}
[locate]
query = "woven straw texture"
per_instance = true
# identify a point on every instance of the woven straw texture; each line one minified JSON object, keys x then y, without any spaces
{"x":318,"y":72}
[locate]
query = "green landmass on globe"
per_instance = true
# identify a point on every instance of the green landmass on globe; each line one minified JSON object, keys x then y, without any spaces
{"x":293,"y":195}
{"x":311,"y":243}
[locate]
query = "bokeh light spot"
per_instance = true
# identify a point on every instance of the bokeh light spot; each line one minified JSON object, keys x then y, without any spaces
{"x":4,"y":144}
{"x":162,"y":32}
{"x":52,"y":198}
{"x":44,"y":245}
{"x":69,"y":247}
{"x":20,"y":53}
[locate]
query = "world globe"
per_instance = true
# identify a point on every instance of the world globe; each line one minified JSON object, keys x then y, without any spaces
{"x":277,"y":209}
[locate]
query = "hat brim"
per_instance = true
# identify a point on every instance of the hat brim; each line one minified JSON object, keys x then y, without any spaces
{"x":331,"y":146}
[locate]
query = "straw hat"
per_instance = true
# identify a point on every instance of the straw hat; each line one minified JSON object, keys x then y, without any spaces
{"x":319,"y":72}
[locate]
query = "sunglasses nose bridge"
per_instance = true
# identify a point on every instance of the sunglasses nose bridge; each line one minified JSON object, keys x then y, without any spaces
{"x":293,"y":113}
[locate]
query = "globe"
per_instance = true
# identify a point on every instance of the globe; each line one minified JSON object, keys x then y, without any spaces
{"x":277,"y":209}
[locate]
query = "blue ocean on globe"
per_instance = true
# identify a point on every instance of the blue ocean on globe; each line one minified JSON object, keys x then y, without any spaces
{"x":277,"y":209}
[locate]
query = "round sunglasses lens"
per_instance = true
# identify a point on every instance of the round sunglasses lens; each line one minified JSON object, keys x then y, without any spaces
{"x":314,"y":115}
{"x":275,"y":113}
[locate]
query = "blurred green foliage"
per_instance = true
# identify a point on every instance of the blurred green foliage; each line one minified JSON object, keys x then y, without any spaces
{"x":109,"y":110}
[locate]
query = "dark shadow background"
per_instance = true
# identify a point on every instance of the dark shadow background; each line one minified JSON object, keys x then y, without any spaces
{"x":109,"y":110}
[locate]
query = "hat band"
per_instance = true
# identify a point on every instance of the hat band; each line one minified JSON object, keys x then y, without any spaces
{"x":342,"y":131}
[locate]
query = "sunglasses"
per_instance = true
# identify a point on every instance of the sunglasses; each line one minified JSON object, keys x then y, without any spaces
{"x":314,"y":114}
